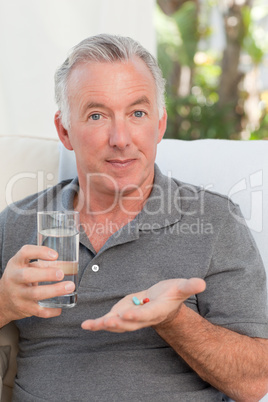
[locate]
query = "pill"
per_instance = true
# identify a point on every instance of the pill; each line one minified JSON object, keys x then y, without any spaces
{"x":146,"y":300}
{"x":136,"y":301}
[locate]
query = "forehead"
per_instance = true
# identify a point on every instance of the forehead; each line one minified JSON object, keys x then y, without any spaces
{"x":126,"y":78}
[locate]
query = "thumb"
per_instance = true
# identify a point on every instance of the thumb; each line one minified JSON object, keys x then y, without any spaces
{"x":192,"y":286}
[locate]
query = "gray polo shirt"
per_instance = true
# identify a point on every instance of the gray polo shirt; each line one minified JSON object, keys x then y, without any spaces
{"x":182,"y":232}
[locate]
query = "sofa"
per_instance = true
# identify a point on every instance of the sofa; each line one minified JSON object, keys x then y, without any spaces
{"x":27,"y":165}
{"x":238,"y":169}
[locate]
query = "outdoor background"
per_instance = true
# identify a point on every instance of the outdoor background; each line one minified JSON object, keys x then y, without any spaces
{"x":214,"y":58}
{"x":213,"y":54}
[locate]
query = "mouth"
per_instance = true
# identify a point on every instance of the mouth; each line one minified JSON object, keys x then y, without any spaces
{"x":121,"y":163}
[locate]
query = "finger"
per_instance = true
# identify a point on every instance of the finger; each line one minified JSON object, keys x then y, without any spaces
{"x":32,"y":275}
{"x":192,"y":286}
{"x":111,"y":324}
{"x":45,"y":312}
{"x":117,"y":324}
{"x":32,"y":252}
{"x":93,"y":325}
{"x":97,"y":324}
{"x":43,"y":292}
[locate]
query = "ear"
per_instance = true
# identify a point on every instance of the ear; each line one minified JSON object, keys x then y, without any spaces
{"x":62,"y":132}
{"x":162,"y":126}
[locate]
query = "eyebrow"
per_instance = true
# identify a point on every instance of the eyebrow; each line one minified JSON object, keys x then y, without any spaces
{"x":92,"y":105}
{"x":141,"y":100}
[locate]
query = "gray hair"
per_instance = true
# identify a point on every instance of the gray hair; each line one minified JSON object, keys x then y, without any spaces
{"x":104,"y":48}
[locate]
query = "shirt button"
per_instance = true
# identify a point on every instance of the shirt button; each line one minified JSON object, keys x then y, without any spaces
{"x":95,"y":268}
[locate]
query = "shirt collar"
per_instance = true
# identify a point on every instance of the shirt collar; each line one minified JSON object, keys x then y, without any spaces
{"x":163,"y":206}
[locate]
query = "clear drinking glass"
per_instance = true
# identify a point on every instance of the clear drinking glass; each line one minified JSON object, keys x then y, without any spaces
{"x":60,"y":231}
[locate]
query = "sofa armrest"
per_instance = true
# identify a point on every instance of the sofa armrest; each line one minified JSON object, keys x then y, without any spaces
{"x":9,"y":338}
{"x":27,"y":165}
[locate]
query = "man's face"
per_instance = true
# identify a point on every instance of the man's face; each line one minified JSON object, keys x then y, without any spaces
{"x":114,"y":125}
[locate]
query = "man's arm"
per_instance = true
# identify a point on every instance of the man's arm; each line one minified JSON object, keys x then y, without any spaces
{"x":234,"y":364}
{"x":19,"y":290}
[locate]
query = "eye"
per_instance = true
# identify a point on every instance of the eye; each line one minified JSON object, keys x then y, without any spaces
{"x":139,"y":113}
{"x":95,"y":116}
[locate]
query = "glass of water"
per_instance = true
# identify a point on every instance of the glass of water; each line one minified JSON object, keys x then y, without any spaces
{"x":60,"y":231}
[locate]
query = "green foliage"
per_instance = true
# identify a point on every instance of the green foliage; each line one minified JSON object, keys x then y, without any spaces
{"x":262,"y":132}
{"x":250,"y":43}
{"x":186,"y":21}
{"x":199,"y":113}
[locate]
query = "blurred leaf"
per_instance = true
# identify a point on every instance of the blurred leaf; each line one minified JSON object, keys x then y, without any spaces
{"x":187,"y":22}
{"x":247,"y":20}
{"x":262,"y":132}
{"x":250,"y":44}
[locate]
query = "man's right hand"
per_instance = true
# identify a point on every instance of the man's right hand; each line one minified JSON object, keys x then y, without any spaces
{"x":19,"y":289}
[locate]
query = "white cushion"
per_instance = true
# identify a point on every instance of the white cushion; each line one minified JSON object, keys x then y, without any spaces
{"x":238,"y":169}
{"x":27,"y":165}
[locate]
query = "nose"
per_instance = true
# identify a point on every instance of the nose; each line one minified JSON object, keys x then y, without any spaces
{"x":119,"y":135}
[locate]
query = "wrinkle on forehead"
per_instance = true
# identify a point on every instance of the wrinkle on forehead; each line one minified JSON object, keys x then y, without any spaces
{"x":137,"y":64}
{"x":90,"y":83}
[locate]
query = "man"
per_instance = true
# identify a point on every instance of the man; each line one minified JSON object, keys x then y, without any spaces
{"x":186,"y":343}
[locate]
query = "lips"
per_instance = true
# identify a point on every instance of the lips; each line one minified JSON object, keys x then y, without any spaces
{"x":121,"y":163}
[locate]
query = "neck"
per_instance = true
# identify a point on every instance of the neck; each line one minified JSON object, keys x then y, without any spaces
{"x":102,"y":217}
{"x":111,"y":207}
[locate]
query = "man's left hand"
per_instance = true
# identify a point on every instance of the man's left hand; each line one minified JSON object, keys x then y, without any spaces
{"x":165,"y":301}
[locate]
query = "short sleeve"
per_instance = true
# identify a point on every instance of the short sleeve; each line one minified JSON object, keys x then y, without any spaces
{"x":236,"y":293}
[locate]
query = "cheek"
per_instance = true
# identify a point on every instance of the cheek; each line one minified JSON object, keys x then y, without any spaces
{"x":88,"y":140}
{"x":149,"y":150}
{"x":151,"y":138}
